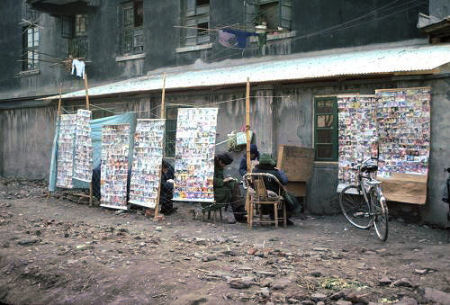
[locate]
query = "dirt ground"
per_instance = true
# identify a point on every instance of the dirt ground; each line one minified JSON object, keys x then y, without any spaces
{"x":55,"y":251}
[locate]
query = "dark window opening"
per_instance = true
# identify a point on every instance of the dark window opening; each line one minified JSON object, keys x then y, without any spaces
{"x":171,"y":131}
{"x":75,"y":29}
{"x":202,"y":2}
{"x":195,"y":21}
{"x":275,"y":14}
{"x":132,"y":41}
{"x":138,"y":14}
{"x":325,"y":129}
{"x":30,"y":42}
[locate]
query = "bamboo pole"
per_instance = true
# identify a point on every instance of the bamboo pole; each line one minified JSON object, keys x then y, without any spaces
{"x":86,"y":88}
{"x":163,"y":117}
{"x":59,"y":101}
{"x":247,"y":131}
{"x":247,"y":124}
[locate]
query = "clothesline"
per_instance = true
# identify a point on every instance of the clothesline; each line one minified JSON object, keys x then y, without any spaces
{"x":151,"y":111}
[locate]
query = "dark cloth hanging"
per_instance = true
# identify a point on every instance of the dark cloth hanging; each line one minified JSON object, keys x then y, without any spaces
{"x":239,"y":40}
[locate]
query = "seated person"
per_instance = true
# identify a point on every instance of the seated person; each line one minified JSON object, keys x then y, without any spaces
{"x":166,"y":193}
{"x":267,"y":165}
{"x":226,"y":190}
{"x":254,"y":157}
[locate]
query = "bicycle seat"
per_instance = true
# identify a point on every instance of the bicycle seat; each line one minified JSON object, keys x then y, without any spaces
{"x":369,"y":168}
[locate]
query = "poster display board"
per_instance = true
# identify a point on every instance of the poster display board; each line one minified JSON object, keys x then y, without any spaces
{"x":357,"y":134}
{"x":404,"y":134}
{"x":82,"y":169}
{"x":404,"y":131}
{"x":114,"y":166}
{"x":147,"y":160}
{"x":66,"y":141}
{"x":194,"y":154}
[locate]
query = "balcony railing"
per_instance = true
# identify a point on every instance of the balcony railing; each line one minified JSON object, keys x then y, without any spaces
{"x":79,"y":47}
{"x":63,"y":7}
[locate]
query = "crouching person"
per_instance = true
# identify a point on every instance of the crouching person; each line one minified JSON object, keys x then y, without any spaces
{"x":226,"y":189}
{"x":166,"y":193}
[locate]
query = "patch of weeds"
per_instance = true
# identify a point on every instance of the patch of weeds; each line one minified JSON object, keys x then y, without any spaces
{"x":339,"y":284}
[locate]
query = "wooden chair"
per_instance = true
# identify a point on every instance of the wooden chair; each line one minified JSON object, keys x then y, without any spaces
{"x":259,"y":196}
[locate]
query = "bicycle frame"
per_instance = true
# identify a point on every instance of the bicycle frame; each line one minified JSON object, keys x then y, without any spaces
{"x":368,"y":183}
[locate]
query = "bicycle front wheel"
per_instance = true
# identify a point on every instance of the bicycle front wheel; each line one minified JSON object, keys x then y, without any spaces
{"x":380,"y":216}
{"x":355,"y":207}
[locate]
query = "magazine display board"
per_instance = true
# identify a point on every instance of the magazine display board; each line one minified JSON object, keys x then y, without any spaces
{"x":66,"y":141}
{"x":194,"y":154}
{"x":357,"y":134}
{"x":404,"y":135}
{"x":82,"y":169}
{"x":147,"y":160}
{"x":404,"y":131}
{"x":114,"y":166}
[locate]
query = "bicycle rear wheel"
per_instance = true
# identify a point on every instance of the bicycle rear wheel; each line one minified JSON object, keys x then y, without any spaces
{"x":355,"y":207}
{"x":380,"y":215}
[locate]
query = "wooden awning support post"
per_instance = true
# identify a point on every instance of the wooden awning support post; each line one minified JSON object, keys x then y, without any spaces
{"x":163,"y":117}
{"x":86,"y":89}
{"x":247,"y":130}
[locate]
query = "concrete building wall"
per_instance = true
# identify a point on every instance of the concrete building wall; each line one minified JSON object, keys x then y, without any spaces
{"x":280,"y":114}
{"x":26,"y":139}
{"x":162,"y":38}
{"x":436,"y":211}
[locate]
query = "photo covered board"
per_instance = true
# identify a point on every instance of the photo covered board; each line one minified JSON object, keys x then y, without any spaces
{"x":66,"y":141}
{"x":404,"y":131}
{"x":357,"y":138}
{"x":83,"y":147}
{"x":404,"y":134}
{"x":114,"y":166}
{"x":194,"y":154}
{"x":147,"y":160}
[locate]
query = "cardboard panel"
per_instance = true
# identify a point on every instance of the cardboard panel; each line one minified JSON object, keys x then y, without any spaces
{"x":405,"y":188}
{"x":298,"y":189}
{"x":296,"y":162}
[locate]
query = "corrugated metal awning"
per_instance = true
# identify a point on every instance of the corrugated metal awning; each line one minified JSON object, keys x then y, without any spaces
{"x":423,"y":58}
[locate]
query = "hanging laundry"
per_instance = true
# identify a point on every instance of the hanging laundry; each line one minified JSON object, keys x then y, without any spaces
{"x":78,"y":67}
{"x":234,"y":38}
{"x":228,"y":40}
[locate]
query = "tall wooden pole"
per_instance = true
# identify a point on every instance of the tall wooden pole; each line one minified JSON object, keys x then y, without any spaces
{"x":249,"y":165}
{"x":59,"y":102}
{"x":163,"y":117}
{"x":163,"y":98}
{"x":247,"y":124}
{"x":86,"y":89}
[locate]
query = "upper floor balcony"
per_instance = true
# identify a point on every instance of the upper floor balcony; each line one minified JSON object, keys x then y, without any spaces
{"x":63,"y":7}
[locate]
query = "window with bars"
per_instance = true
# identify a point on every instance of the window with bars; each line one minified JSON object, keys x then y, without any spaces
{"x":274,"y":13}
{"x":171,"y":130}
{"x":30,"y":48}
{"x":325,"y":129}
{"x":195,"y":20}
{"x":132,"y":27}
{"x":75,"y":28}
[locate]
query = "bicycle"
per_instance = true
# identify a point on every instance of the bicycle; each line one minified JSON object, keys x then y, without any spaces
{"x":363,"y":204}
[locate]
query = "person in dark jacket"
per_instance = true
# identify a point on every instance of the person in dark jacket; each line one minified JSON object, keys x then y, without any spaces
{"x":254,"y":156}
{"x":166,"y":193}
{"x":267,"y":165}
{"x":226,"y":189}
